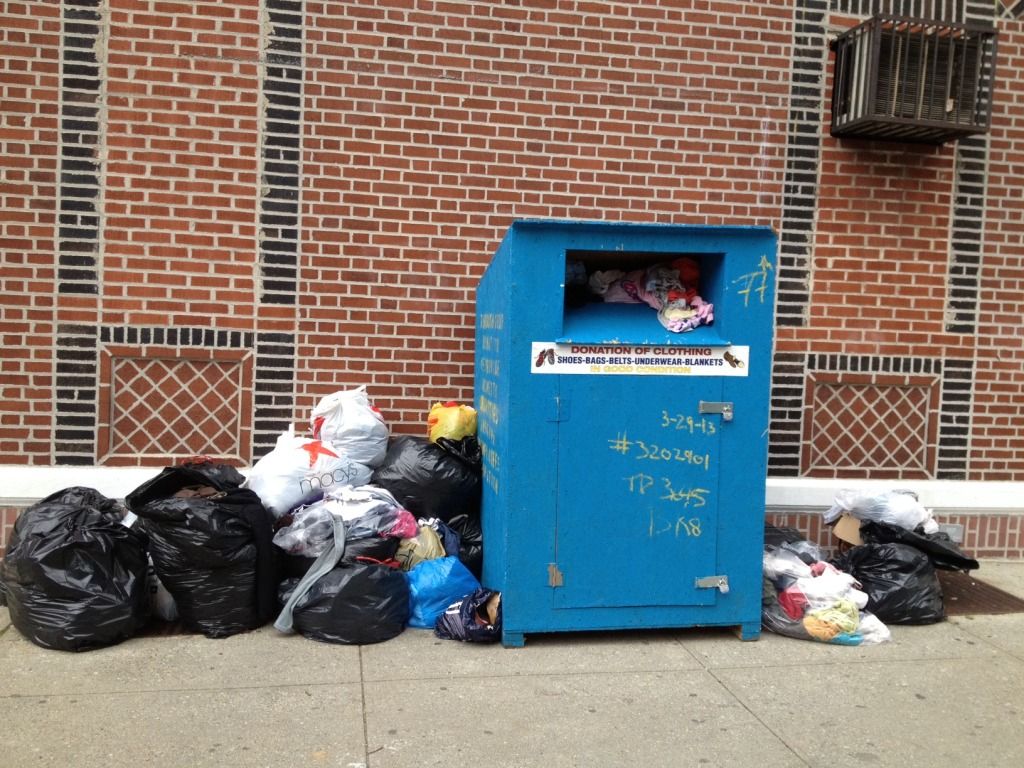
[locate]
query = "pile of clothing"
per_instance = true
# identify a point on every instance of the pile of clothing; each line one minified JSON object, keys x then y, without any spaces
{"x":670,"y":288}
{"x":807,"y":598}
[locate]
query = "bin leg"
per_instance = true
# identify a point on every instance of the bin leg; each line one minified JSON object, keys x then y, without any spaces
{"x":513,"y":639}
{"x":750,"y":630}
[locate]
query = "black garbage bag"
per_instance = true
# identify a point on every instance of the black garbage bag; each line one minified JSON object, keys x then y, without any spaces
{"x":475,"y":618}
{"x":900,"y":582}
{"x":466,"y":449}
{"x":439,"y":479}
{"x":776,"y":536}
{"x":940,"y":548}
{"x":74,"y":574}
{"x":211,"y":544}
{"x":222,"y":475}
{"x":471,"y":542}
{"x":353,"y":605}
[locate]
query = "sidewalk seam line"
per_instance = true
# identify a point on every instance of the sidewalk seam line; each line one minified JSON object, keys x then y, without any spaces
{"x":754,"y":715}
{"x":170,"y":690}
{"x":988,"y":643}
{"x":362,"y":700}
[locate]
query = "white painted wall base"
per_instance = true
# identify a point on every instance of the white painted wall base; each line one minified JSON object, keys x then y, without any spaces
{"x":796,"y":495}
{"x":21,"y":486}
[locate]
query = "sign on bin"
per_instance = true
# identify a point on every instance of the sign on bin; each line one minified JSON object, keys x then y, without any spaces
{"x":611,"y":359}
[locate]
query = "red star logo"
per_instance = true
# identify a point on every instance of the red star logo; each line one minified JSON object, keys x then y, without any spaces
{"x":316,"y":448}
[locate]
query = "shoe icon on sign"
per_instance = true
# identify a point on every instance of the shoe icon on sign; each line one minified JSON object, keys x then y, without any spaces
{"x":545,"y":355}
{"x":735,"y":362}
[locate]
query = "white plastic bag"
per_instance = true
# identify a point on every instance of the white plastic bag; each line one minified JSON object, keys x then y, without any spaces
{"x":872,"y":629}
{"x":780,"y":562}
{"x":831,"y":585}
{"x":161,"y":602}
{"x":348,"y":420}
{"x":300,"y":470}
{"x":895,"y":507}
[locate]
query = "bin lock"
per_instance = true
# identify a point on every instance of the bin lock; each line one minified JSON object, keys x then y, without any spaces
{"x":725,"y":409}
{"x":721,"y":583}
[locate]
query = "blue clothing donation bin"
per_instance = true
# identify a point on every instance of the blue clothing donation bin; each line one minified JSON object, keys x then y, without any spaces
{"x":624,"y":460}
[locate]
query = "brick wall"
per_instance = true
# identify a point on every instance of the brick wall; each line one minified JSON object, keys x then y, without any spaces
{"x":288,"y":198}
{"x":997,"y":444}
{"x":428,"y":129}
{"x":891,"y":273}
{"x":29,"y":87}
{"x":214,"y":213}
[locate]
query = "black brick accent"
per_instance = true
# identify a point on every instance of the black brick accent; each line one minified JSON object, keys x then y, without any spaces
{"x":274,"y":390}
{"x":966,"y":235}
{"x":787,"y":398}
{"x":79,"y":187}
{"x":279,"y":205}
{"x":800,"y":190}
{"x":955,"y":420}
{"x":944,"y":10}
{"x":176,"y":337}
{"x":75,"y":394}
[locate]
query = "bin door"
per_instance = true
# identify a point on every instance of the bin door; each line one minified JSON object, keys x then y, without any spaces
{"x":638,"y":494}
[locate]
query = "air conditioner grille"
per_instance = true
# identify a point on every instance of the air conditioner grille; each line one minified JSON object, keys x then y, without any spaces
{"x":912,"y":80}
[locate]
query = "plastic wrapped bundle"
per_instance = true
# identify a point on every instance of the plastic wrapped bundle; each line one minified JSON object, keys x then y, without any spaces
{"x":374,"y":526}
{"x":368,"y":512}
{"x":211,"y":546}
{"x":74,"y":574}
{"x":807,"y":598}
{"x":349,"y":421}
{"x":353,"y":605}
{"x":475,"y":618}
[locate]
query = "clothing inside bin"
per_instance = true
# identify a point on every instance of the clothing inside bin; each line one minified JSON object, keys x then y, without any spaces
{"x":669,"y":288}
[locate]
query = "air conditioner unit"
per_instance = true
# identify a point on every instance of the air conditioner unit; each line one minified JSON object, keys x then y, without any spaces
{"x":903,"y":79}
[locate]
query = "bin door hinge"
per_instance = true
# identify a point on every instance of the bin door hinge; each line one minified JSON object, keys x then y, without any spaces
{"x":721,"y":583}
{"x":554,"y":575}
{"x":711,"y":407}
{"x":559,"y":409}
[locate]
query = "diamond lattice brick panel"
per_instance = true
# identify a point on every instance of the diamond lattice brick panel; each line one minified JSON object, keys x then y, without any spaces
{"x":160,"y":407}
{"x":861,"y":426}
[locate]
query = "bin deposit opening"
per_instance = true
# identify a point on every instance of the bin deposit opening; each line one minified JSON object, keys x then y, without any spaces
{"x":642,"y":297}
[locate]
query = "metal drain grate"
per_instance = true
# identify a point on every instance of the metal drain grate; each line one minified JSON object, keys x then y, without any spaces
{"x":964,"y":594}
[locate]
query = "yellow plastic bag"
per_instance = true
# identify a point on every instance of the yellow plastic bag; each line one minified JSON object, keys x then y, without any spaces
{"x":451,"y":420}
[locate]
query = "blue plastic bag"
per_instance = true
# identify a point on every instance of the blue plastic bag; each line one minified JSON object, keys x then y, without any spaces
{"x":433,"y":586}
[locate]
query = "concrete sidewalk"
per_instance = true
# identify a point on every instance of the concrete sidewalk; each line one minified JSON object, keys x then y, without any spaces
{"x":950,"y":694}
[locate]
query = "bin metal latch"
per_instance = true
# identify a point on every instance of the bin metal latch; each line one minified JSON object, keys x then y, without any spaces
{"x":721,"y":583}
{"x":712,"y":407}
